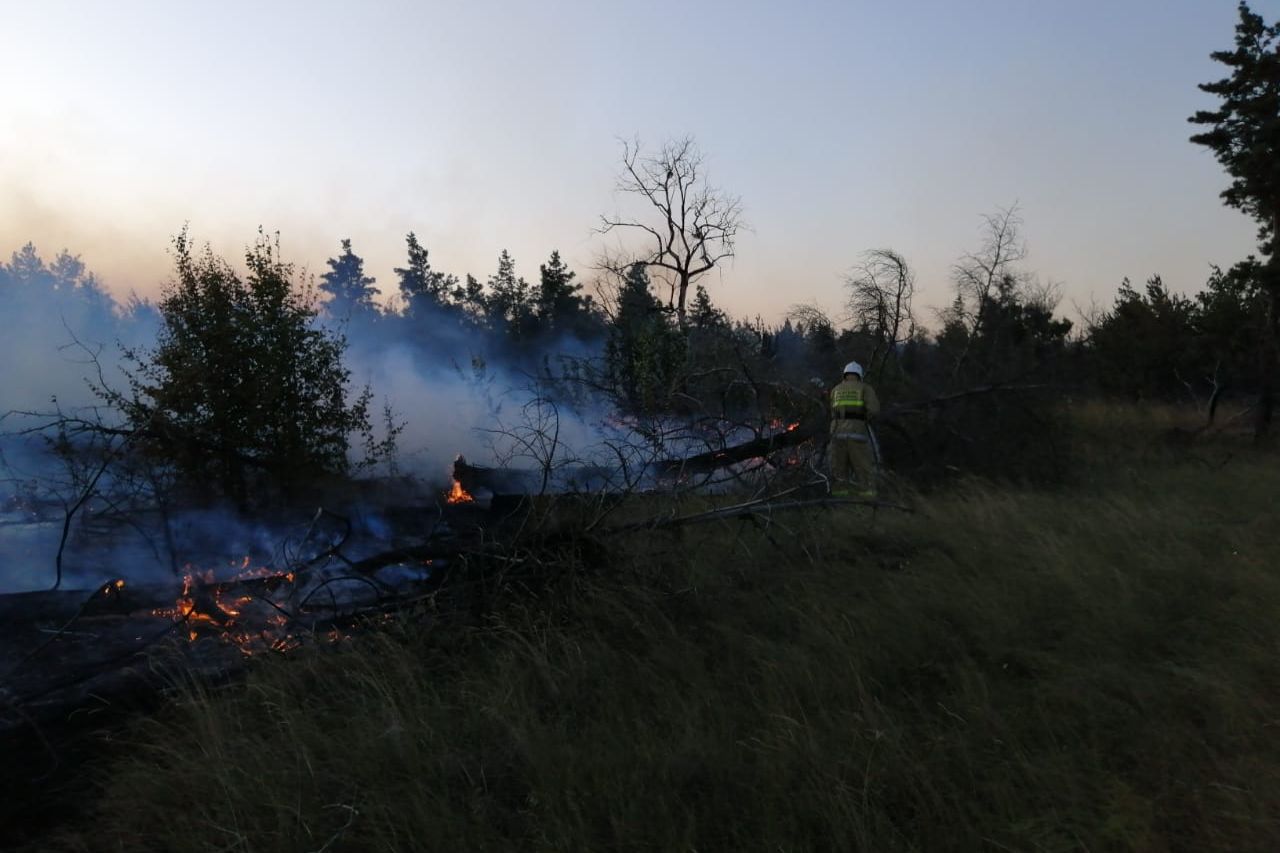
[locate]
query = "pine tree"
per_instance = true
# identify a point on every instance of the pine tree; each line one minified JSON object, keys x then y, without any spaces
{"x":471,"y":298}
{"x":1244,"y":135}
{"x":704,"y":315}
{"x":26,"y":267}
{"x":350,"y":291}
{"x":63,"y":290}
{"x":425,"y":291}
{"x":1232,"y":308}
{"x":558,"y":302}
{"x":645,"y":351}
{"x":509,"y":304}
{"x":821,"y":336}
{"x":1146,"y":343}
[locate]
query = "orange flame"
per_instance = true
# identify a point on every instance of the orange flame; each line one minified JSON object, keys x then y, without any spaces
{"x":458,"y":495}
{"x":208,"y":607}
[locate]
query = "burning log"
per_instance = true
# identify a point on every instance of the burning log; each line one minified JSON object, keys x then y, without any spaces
{"x":473,"y":481}
{"x":703,"y":463}
{"x":53,"y":644}
{"x":470,"y":480}
{"x":798,"y":433}
{"x":101,"y":649}
{"x":74,"y":662}
{"x":458,"y":494}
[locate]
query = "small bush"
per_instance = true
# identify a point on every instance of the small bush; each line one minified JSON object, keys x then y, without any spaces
{"x":244,"y":391}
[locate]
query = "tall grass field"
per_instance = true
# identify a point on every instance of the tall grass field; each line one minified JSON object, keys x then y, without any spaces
{"x":1092,"y":667}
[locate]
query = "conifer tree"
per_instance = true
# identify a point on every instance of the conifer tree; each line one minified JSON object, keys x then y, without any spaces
{"x":424,"y":290}
{"x":1244,"y":135}
{"x":705,"y":315}
{"x":350,"y":291}
{"x":645,"y":351}
{"x":508,"y":304}
{"x":561,"y":309}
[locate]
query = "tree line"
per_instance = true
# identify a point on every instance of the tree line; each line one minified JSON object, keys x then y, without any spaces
{"x":246,"y":370}
{"x":247,"y":374}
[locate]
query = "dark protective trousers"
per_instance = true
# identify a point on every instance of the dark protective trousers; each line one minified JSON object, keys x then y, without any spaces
{"x":853,"y":466}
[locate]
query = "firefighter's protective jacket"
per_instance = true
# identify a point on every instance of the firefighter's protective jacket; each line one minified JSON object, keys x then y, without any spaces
{"x":853,"y":403}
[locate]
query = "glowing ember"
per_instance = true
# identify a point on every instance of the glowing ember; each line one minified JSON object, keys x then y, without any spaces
{"x":458,"y":495}
{"x":251,"y":609}
{"x":206,"y":607}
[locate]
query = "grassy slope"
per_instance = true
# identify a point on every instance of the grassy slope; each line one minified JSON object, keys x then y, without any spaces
{"x":1094,"y":668}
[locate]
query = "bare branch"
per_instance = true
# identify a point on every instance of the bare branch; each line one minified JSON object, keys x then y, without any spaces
{"x":978,"y":276}
{"x":696,"y":224}
{"x":881,"y":288}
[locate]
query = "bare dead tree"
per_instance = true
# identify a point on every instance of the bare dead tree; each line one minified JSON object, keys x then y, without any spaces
{"x":1045,"y":295}
{"x":690,"y":226}
{"x":85,"y":483}
{"x":809,"y":315}
{"x":978,"y":276}
{"x":1214,"y":386}
{"x":880,"y":290}
{"x":611,"y":268}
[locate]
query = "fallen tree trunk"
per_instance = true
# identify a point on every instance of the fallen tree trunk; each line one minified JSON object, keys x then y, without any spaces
{"x":710,"y":461}
{"x":477,"y":480}
{"x":58,"y":652}
{"x":704,"y":463}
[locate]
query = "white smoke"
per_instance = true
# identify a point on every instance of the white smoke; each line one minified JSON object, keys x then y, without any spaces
{"x":465,"y":393}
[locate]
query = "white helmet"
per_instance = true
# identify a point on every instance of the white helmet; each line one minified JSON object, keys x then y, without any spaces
{"x":853,"y":367}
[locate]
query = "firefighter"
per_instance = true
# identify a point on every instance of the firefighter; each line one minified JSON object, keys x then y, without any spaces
{"x":853,"y":463}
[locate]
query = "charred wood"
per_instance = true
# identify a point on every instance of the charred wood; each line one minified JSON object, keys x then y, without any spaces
{"x":764,"y":446}
{"x":503,"y":483}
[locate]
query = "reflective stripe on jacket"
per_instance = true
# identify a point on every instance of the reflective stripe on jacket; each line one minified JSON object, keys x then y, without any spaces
{"x":848,"y":403}
{"x":853,"y":403}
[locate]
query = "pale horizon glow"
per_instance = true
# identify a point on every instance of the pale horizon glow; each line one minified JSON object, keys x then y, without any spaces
{"x":843,"y":126}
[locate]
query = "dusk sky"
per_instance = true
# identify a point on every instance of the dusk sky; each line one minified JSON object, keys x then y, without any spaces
{"x":843,"y":126}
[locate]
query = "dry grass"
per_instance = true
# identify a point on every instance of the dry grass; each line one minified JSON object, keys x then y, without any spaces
{"x":1093,"y":668}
